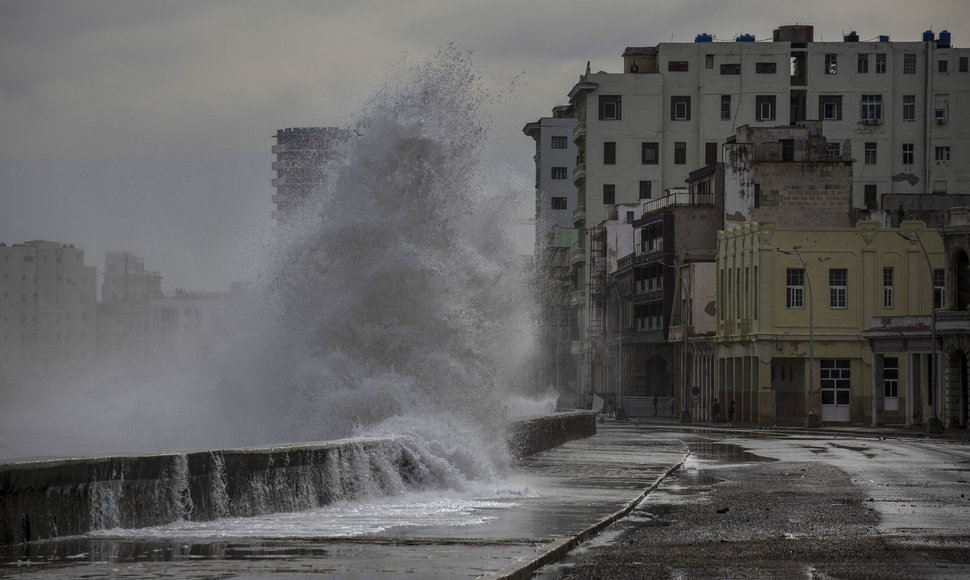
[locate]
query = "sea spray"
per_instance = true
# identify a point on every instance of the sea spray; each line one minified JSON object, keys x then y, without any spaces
{"x":392,"y":308}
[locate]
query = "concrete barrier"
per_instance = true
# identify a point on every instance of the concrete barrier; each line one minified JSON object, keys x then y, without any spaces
{"x":65,"y":497}
{"x":534,"y":434}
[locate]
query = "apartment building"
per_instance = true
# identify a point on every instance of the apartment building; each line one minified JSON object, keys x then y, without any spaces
{"x":125,"y":314}
{"x":303,"y":166}
{"x":47,"y":309}
{"x":890,"y":113}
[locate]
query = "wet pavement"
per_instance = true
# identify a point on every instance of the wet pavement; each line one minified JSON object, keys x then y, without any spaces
{"x":826,"y":503}
{"x":575,"y":488}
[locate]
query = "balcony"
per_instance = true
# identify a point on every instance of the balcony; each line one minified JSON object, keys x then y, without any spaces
{"x":679,"y":199}
{"x":579,"y":132}
{"x":579,"y":214}
{"x":579,"y":174}
{"x":953,"y":321}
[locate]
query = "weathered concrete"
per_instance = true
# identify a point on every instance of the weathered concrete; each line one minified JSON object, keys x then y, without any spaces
{"x":530,"y":436}
{"x":55,"y":498}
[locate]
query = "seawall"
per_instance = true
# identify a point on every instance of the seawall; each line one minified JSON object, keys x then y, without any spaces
{"x":65,"y":497}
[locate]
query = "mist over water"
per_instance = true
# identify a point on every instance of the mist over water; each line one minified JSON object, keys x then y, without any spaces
{"x":398,"y":307}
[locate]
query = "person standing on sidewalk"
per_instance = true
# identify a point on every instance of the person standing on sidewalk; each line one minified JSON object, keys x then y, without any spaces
{"x":715,"y":411}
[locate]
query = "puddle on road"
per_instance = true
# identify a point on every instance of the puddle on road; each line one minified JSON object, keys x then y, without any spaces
{"x":721,"y":452}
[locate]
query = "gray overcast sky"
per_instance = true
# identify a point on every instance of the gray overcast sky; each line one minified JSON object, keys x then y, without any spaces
{"x":146,"y":126}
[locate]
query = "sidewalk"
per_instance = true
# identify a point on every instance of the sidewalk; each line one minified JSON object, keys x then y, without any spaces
{"x":568,"y":494}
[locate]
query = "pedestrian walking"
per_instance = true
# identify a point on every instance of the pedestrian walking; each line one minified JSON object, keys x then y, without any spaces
{"x":731,"y":412}
{"x":715,"y":410}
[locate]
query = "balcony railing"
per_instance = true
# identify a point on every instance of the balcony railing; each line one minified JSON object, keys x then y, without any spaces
{"x":677,"y":200}
{"x":953,"y":320}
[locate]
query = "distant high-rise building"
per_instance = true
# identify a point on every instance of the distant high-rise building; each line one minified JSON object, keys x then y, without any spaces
{"x":304,"y":163}
{"x":47,"y":308}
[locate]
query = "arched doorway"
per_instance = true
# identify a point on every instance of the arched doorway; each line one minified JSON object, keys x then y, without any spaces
{"x":659,"y":382}
{"x":961,"y":269}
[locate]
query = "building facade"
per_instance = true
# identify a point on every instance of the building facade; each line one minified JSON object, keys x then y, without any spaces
{"x":128,"y":292}
{"x":305,"y":158}
{"x":793,"y":304}
{"x":890,"y":112}
{"x":48,"y":309}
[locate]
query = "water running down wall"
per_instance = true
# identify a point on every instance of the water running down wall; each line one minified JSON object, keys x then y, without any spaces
{"x":56,"y":498}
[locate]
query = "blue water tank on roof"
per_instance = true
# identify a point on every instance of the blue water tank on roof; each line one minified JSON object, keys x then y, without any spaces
{"x":928,"y":36}
{"x":704,"y":37}
{"x":883,"y":38}
{"x":945,"y":38}
{"x":745,"y":38}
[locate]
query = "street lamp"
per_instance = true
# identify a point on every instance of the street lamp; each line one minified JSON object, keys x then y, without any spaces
{"x":934,"y":425}
{"x":620,"y":413}
{"x":685,"y":415}
{"x":812,"y":419}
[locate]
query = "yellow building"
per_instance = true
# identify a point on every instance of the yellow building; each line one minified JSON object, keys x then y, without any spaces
{"x":793,"y":299}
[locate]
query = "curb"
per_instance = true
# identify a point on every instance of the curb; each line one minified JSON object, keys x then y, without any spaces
{"x":562,"y":547}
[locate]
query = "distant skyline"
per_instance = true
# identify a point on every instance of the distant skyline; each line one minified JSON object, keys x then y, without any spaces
{"x":146,"y":126}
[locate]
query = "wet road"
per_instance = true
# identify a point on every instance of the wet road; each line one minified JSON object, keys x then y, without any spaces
{"x":808,"y":504}
{"x":747,"y":503}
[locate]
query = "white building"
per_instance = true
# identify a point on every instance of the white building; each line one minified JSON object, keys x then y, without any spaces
{"x":896,"y":105}
{"x":47,"y":308}
{"x":125,"y":317}
{"x":896,"y":109}
{"x":555,"y":161}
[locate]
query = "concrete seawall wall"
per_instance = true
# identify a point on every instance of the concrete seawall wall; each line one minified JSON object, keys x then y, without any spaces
{"x":47,"y":499}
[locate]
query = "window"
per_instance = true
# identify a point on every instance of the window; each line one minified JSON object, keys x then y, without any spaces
{"x":609,"y":193}
{"x":909,"y":152}
{"x":733,"y":68}
{"x":710,"y":153}
{"x":870,"y":196}
{"x":939,"y":288}
{"x":881,"y":63}
{"x":765,"y":68}
{"x":909,"y":107}
{"x":942,"y":65}
{"x":708,"y":61}
{"x":725,"y":107}
{"x":645,"y":189}
{"x":909,"y":63}
{"x":890,"y":380}
{"x":559,"y":203}
{"x":796,"y":288}
{"x":559,"y":142}
{"x":629,"y":217}
{"x":964,"y":63}
{"x":650,"y":153}
{"x":871,"y":108}
{"x":833,"y":150}
{"x":943,"y":154}
{"x":863,"y":63}
{"x":765,"y":107}
{"x":677,"y":66}
{"x":680,"y":108}
{"x":609,"y":153}
{"x":787,"y":149}
{"x":680,"y":153}
{"x":609,"y":107}
{"x":559,"y":173}
{"x":870,"y":156}
{"x":887,"y":287}
{"x":830,"y":107}
{"x":831,"y":63}
{"x":940,"y":115}
{"x":837,"y":287}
